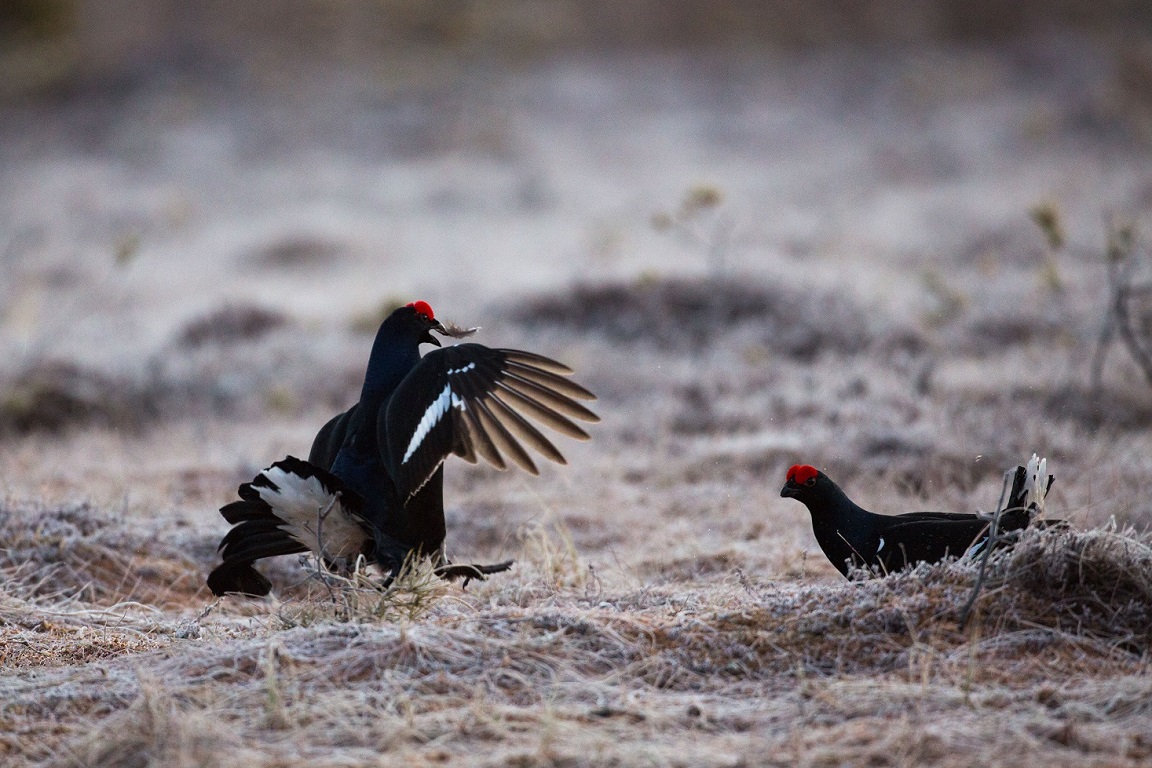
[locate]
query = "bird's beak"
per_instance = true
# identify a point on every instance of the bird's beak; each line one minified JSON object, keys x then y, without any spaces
{"x":789,"y":491}
{"x":428,"y":338}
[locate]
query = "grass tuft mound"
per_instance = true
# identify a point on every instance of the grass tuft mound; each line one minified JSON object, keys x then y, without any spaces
{"x":1096,"y":583}
{"x":82,"y":553}
{"x":686,"y":313}
{"x":55,"y":396}
{"x":231,"y":324}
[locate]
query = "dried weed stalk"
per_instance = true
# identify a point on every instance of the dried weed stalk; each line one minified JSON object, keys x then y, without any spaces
{"x":1128,"y":315}
{"x":359,"y":596}
{"x":550,"y":548}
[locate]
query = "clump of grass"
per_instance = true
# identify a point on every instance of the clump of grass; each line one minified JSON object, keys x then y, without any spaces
{"x":154,"y":730}
{"x":361,"y":597}
{"x":83,"y":553}
{"x":54,"y":396}
{"x":1079,"y":595}
{"x":231,"y":324}
{"x":549,"y":547}
{"x":687,"y":313}
{"x":1095,"y":583}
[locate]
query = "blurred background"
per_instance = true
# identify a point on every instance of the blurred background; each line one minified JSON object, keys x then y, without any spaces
{"x":213,"y":150}
{"x":206,"y":206}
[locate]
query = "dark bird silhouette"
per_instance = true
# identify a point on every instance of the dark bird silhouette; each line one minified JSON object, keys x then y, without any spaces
{"x":373,"y":485}
{"x":852,"y":537}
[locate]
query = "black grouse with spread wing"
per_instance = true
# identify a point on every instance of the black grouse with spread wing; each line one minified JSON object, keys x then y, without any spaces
{"x":373,"y":484}
{"x":854,"y":537}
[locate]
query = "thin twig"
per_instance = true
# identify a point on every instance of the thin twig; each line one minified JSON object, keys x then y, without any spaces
{"x":1107,"y":329}
{"x":989,"y":543}
{"x":321,"y":515}
{"x":1121,"y":290}
{"x":1127,"y":334}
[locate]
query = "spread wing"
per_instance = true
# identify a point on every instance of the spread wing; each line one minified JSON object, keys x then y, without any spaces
{"x":478,"y":402}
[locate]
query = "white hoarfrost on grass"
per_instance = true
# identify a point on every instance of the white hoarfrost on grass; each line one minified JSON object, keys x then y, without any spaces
{"x":848,"y":278}
{"x":558,"y":663}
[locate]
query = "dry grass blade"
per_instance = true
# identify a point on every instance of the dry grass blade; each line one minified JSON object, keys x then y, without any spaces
{"x":990,"y":544}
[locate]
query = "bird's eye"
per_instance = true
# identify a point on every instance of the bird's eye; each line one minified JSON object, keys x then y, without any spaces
{"x":810,"y":482}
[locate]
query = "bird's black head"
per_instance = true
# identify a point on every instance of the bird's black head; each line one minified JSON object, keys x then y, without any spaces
{"x":805,"y":483}
{"x":418,"y":319}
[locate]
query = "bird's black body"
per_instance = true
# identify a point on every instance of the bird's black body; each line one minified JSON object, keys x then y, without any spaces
{"x":851,"y":536}
{"x":382,"y":459}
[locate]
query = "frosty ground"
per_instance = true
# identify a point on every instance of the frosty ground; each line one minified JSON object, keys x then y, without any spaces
{"x":754,"y":259}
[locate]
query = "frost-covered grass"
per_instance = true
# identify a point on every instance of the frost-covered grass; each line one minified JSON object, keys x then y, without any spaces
{"x":526,"y":669}
{"x":185,"y":301}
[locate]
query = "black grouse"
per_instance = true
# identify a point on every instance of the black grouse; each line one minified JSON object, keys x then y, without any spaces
{"x":373,"y":485}
{"x":854,"y":537}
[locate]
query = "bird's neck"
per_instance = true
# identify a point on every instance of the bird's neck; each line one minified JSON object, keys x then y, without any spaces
{"x":394,"y":354}
{"x":842,"y":522}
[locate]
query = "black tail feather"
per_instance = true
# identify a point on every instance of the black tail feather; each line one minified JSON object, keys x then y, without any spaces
{"x":257,"y":531}
{"x":477,"y":571}
{"x":239,"y":511}
{"x":247,"y":542}
{"x":1021,"y":509}
{"x":238,"y":576}
{"x":253,"y":541}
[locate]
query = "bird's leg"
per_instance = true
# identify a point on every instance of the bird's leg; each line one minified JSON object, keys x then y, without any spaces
{"x":477,"y":571}
{"x":449,"y":572}
{"x":391,"y":555}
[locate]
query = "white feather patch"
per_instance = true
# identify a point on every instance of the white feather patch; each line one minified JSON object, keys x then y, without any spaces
{"x":313,"y":516}
{"x":433,"y":414}
{"x":461,"y":369}
{"x":1037,"y":471}
{"x":881,"y":545}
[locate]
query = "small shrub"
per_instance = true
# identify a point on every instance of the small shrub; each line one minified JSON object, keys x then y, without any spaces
{"x":692,"y":313}
{"x":231,"y":324}
{"x":55,"y":396}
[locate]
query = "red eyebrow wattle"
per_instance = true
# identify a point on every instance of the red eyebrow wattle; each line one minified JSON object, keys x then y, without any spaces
{"x":423,"y":308}
{"x":801,"y":473}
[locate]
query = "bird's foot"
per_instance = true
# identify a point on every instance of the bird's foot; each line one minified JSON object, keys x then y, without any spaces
{"x":477,"y":571}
